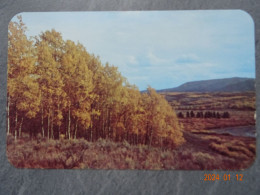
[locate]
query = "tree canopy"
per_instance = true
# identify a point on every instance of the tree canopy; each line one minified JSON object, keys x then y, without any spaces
{"x":57,"y":89}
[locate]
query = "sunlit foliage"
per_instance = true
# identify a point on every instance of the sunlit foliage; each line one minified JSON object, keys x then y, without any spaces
{"x":56,"y":89}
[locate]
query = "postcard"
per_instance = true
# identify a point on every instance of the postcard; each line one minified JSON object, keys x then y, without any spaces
{"x":145,"y":90}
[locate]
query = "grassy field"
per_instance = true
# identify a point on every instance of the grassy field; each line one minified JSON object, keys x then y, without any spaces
{"x":200,"y":152}
{"x":240,"y":106}
{"x":211,"y":101}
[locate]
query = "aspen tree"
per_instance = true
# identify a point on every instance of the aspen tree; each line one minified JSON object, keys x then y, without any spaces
{"x":49,"y":52}
{"x":78,"y":85}
{"x":22,"y":87}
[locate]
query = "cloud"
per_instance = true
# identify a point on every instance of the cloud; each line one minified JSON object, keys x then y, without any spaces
{"x":132,"y":60}
{"x":188,"y":58}
{"x":160,"y":48}
{"x":155,"y":60}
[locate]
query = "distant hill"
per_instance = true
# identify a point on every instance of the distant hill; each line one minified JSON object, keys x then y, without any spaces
{"x":235,"y":84}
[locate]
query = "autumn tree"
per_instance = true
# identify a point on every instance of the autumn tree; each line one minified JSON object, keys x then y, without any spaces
{"x":78,"y":85}
{"x":112,"y":87}
{"x":129,"y":122}
{"x":161,"y":122}
{"x":59,"y":85}
{"x":23,"y":90}
{"x":49,"y":47}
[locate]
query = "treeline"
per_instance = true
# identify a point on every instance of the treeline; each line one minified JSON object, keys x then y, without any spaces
{"x":207,"y":114}
{"x":59,"y":90}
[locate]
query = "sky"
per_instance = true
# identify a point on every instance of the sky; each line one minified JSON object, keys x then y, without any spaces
{"x":162,"y":49}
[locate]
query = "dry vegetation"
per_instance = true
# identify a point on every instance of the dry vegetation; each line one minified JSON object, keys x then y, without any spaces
{"x":104,"y":154}
{"x":212,"y":123}
{"x":211,"y":101}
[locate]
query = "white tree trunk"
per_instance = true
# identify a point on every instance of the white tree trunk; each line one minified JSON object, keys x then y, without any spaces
{"x":76,"y":128}
{"x":8,"y":115}
{"x":49,"y":124}
{"x":20,"y":128}
{"x":15,"y":130}
{"x":42,"y":124}
{"x":69,"y":124}
{"x":52,"y":136}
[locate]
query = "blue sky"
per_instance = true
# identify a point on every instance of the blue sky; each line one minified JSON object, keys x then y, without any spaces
{"x":162,"y":49}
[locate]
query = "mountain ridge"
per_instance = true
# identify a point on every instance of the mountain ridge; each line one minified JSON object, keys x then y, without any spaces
{"x":233,"y":84}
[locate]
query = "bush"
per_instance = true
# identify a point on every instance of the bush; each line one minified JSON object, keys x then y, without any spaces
{"x":9,"y":139}
{"x":203,"y":159}
{"x":180,"y":115}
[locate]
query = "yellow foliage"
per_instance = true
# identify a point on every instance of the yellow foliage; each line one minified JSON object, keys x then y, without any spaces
{"x":54,"y":81}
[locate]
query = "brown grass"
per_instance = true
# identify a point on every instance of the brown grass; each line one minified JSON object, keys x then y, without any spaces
{"x":212,"y":138}
{"x":74,"y":154}
{"x":211,"y":101}
{"x":237,"y":119}
{"x":233,"y":149}
{"x":104,"y":154}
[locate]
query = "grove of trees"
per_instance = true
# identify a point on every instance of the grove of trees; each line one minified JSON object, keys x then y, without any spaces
{"x":59,"y":90}
{"x":207,"y":114}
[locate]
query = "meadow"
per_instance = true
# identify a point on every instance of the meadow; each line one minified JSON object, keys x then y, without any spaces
{"x":200,"y":152}
{"x":239,"y":105}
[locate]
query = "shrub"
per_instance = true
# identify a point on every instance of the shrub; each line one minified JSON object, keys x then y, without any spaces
{"x":203,"y":159}
{"x":9,"y":139}
{"x":180,"y":115}
{"x":224,"y":149}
